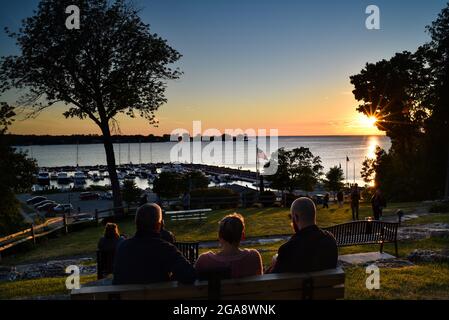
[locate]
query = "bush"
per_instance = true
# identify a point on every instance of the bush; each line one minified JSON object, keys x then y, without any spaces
{"x":10,"y":218}
{"x":267,"y":198}
{"x":289,"y":198}
{"x":249,"y":197}
{"x":215,"y":198}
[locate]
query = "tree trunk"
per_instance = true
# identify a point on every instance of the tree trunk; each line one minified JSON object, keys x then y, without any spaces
{"x":110,"y":159}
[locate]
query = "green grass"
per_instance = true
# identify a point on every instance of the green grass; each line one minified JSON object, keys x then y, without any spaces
{"x":259,"y":222}
{"x":422,"y":281}
{"x":37,"y":287}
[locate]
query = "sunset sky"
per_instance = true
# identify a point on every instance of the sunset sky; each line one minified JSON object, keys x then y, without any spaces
{"x":256,"y":63}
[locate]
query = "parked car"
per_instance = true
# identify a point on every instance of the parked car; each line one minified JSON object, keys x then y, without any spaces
{"x":35,"y":200}
{"x":47,"y":207}
{"x":39,"y":204}
{"x":89,"y":196}
{"x":83,"y":217}
{"x":60,"y":208}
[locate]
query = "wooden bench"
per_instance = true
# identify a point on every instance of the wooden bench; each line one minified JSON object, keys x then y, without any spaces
{"x":197,"y":214}
{"x":105,"y":260}
{"x":322,"y":285}
{"x":366,"y":232}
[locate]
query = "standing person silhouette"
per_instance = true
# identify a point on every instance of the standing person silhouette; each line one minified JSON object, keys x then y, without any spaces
{"x":355,"y":202}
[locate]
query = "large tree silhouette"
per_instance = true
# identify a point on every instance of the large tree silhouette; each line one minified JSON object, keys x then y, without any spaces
{"x":112,"y":65}
{"x":409,"y":94}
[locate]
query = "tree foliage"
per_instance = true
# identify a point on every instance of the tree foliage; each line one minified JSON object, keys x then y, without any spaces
{"x":130,"y":192}
{"x":409,"y":95}
{"x":334,"y":179}
{"x":16,"y":175}
{"x":112,"y":65}
{"x":173,"y":184}
{"x":296,"y":169}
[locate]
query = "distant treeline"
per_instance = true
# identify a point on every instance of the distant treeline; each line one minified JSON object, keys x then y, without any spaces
{"x":27,"y":140}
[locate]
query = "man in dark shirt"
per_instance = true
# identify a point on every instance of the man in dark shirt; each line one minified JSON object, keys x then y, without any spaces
{"x":310,"y":248}
{"x":146,"y":257}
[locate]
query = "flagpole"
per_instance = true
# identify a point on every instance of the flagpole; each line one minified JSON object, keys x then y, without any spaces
{"x":354,"y":171}
{"x":347,"y":170}
{"x":257,"y":157}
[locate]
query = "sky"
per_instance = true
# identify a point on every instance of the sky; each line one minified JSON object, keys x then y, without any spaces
{"x":256,"y":64}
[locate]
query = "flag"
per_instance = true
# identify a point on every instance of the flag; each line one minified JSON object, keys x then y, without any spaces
{"x":347,"y":159}
{"x":261,"y":154}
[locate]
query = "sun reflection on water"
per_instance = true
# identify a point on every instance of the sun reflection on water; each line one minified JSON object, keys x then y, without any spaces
{"x":373,"y":142}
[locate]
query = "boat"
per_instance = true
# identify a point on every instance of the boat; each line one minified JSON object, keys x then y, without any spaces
{"x":151,"y":177}
{"x":53,"y":176}
{"x":142,"y":173}
{"x":43,"y":178}
{"x":79,"y":178}
{"x":63,"y":178}
{"x":130,"y":176}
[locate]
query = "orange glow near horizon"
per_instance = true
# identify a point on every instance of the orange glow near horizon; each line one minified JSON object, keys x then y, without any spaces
{"x":294,"y":112}
{"x":368,"y":121}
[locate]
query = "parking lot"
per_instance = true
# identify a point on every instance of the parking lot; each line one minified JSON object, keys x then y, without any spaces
{"x":86,"y":206}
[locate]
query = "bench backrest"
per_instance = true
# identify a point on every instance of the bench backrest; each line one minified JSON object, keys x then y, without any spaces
{"x":198,"y":214}
{"x":364,"y":232}
{"x":322,"y":285}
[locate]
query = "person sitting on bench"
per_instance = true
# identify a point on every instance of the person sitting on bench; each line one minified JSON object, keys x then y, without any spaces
{"x":146,"y":258}
{"x":111,"y":239}
{"x":310,"y":248}
{"x":240,"y":262}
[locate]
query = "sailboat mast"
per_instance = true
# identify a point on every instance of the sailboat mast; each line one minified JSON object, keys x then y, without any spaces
{"x":140,"y":152}
{"x":77,"y":153}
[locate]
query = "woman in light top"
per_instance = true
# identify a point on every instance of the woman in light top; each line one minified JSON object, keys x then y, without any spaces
{"x":239,"y":262}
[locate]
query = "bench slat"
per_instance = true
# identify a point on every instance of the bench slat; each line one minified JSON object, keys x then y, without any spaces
{"x":326,"y":285}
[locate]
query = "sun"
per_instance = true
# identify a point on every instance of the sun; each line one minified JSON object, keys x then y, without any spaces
{"x":367,"y":122}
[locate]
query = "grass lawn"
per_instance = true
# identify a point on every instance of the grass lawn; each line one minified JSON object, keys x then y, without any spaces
{"x":37,"y":287}
{"x":259,"y":222}
{"x":421,"y":281}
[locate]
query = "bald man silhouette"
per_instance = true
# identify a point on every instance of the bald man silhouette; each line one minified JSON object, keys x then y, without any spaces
{"x":310,"y":248}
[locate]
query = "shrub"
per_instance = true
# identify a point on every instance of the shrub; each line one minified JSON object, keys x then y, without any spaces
{"x":249,"y":197}
{"x":267,"y":198}
{"x":289,"y":198}
{"x":215,"y":198}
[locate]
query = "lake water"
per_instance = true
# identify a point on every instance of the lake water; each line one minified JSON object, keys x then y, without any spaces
{"x":332,"y":150}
